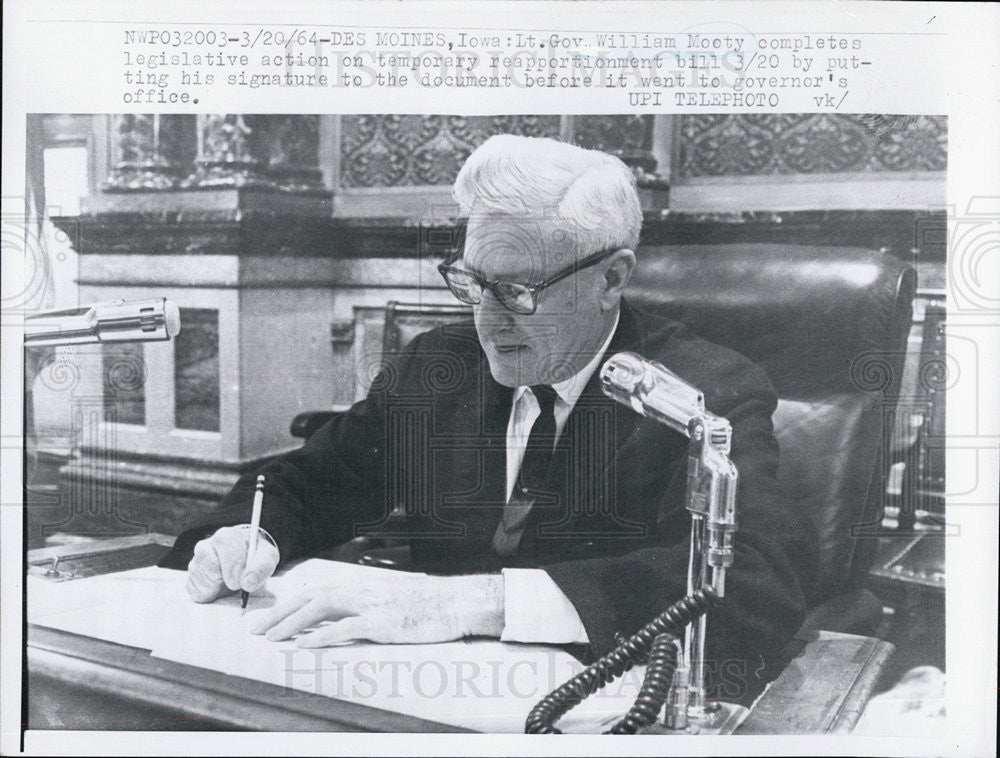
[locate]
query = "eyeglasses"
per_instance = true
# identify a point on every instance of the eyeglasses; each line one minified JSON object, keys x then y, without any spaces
{"x":521,"y":298}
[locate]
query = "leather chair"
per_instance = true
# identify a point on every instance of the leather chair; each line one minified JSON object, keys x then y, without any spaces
{"x":829,"y":326}
{"x":403,"y":322}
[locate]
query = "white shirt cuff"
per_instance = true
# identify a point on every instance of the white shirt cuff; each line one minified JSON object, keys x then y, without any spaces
{"x":536,"y":610}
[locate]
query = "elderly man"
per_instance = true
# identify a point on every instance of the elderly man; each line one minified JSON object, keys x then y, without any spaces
{"x":538,"y":509}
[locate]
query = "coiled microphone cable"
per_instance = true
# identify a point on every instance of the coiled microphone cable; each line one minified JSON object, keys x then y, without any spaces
{"x":654,"y":643}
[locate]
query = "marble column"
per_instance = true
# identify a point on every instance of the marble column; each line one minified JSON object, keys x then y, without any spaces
{"x":151,"y":151}
{"x":278,"y":152}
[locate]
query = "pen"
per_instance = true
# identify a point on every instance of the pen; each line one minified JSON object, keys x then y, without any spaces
{"x":258,"y":503}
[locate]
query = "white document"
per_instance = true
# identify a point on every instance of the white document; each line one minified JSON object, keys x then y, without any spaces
{"x":484,"y":685}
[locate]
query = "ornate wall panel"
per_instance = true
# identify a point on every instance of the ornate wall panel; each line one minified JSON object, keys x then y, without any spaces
{"x":720,"y":145}
{"x":400,"y":150}
{"x":614,"y":133}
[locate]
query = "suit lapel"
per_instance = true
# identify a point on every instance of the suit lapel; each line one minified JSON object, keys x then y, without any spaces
{"x":582,"y":474}
{"x":474,"y":483}
{"x":628,"y":336}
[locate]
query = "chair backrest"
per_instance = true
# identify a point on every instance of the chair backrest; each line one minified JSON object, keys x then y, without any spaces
{"x":404,"y":321}
{"x":932,"y":377}
{"x":829,"y":325}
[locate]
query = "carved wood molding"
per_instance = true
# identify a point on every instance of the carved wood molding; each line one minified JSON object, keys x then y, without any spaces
{"x":263,"y":233}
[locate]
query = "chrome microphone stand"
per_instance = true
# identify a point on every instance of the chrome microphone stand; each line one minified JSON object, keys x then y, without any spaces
{"x":654,"y":391}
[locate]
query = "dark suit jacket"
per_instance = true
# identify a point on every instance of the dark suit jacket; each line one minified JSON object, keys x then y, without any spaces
{"x":612,"y":531}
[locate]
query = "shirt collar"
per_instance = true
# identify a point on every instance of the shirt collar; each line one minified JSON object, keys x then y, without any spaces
{"x":569,"y":390}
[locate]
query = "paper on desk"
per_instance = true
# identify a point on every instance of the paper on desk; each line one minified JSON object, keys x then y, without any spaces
{"x":142,"y":608}
{"x":149,"y":607}
{"x":484,"y":685}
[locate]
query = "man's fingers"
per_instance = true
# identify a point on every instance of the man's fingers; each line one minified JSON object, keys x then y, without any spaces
{"x":266,"y":619}
{"x":206,"y":562}
{"x":219,"y":563}
{"x":290,"y":616}
{"x":201,"y":589}
{"x":308,"y":615}
{"x":230,"y":545}
{"x":338,"y":632}
{"x":204,"y":580}
{"x":261,"y":567}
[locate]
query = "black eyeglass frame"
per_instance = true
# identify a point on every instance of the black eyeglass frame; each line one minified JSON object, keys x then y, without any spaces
{"x":493,"y":284}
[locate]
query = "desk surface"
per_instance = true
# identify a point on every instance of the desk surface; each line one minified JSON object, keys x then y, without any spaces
{"x":77,"y":682}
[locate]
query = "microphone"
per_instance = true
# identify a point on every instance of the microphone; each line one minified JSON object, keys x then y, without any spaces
{"x":653,"y":390}
{"x":152,"y":320}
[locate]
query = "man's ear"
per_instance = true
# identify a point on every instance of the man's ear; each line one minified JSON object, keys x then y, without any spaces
{"x":619,"y":270}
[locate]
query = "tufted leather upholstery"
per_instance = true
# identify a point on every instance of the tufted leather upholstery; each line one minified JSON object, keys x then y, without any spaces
{"x":829,"y":326}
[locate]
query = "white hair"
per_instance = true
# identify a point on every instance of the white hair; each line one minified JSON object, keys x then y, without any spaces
{"x":591,"y":194}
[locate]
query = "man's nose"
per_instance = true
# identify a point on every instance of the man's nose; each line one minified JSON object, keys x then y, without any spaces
{"x":491,"y":312}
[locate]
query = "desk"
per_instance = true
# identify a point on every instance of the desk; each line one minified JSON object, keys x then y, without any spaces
{"x":909,"y":577}
{"x":77,"y":682}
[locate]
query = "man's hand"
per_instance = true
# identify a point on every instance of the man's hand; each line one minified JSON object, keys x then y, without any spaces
{"x":398,"y":608}
{"x":219,"y":564}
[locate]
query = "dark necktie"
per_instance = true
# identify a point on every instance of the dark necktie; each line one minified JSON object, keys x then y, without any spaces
{"x":534,"y":471}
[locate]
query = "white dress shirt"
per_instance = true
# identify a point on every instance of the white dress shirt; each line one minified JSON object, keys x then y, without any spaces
{"x":535,"y":609}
